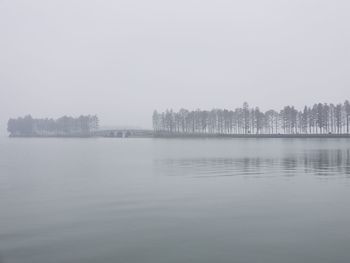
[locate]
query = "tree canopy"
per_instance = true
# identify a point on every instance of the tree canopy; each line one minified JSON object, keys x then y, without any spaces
{"x":64,"y":126}
{"x":320,"y":118}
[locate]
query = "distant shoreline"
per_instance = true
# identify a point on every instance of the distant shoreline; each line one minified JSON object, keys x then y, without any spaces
{"x":257,"y":136}
{"x":163,"y":135}
{"x":50,"y":136}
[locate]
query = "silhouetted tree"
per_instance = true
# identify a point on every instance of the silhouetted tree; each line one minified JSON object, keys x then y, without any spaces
{"x":320,"y":118}
{"x":347,"y":114}
{"x":64,"y":126}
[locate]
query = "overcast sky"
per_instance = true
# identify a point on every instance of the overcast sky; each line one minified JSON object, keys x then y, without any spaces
{"x":122,"y":59}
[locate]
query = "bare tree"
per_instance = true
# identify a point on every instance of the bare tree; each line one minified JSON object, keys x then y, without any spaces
{"x":320,"y":118}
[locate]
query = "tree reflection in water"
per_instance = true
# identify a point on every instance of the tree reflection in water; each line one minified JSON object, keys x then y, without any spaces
{"x":319,"y":163}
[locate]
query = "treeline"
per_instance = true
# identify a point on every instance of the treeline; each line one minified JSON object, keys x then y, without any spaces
{"x":321,"y":118}
{"x":64,"y":126}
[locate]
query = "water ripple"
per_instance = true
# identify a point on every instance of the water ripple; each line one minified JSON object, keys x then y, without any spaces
{"x":325,"y":163}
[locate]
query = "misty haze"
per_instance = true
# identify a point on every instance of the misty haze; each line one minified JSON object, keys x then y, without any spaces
{"x":174,"y":131}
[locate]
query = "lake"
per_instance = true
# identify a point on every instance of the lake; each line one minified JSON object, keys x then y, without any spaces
{"x":174,"y":200}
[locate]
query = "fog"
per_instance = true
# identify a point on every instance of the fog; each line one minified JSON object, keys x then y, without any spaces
{"x":123,"y":59}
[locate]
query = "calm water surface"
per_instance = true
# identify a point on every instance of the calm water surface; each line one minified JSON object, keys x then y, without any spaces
{"x":174,"y":201}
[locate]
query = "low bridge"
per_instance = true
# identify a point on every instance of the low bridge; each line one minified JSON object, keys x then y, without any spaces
{"x":124,"y":133}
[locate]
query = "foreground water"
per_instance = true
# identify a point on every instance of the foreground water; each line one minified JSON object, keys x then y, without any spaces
{"x":159,"y":200}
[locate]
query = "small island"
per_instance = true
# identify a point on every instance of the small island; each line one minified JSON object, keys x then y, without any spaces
{"x":82,"y":126}
{"x":321,"y":120}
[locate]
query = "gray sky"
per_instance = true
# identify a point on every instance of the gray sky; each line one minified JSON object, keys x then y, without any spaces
{"x":122,"y":59}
